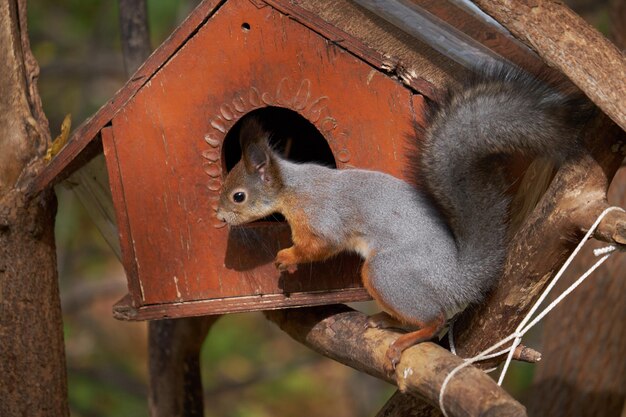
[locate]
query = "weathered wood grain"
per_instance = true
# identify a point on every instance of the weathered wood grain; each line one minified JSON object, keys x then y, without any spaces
{"x":564,"y":40}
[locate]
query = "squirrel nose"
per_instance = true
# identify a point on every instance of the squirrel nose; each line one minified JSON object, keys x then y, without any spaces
{"x":220,"y":216}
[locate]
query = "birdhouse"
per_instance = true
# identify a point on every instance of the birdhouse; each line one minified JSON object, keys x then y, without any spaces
{"x":339,"y":84}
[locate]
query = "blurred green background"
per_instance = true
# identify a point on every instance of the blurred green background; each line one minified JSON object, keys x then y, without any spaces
{"x":250,"y":369}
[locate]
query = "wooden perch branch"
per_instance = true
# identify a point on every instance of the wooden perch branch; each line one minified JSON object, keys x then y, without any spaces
{"x":525,"y":354}
{"x":564,"y":40}
{"x":341,"y":334}
{"x":612,"y":229}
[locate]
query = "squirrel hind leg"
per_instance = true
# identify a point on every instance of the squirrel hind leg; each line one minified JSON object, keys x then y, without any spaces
{"x":427,"y":331}
{"x":384,"y":320}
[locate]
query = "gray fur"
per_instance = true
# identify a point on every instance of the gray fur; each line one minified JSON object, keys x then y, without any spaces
{"x":440,"y":247}
{"x":412,"y":256}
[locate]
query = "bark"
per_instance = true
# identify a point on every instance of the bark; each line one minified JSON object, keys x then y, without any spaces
{"x":406,"y":405}
{"x":565,"y":41}
{"x":24,"y":130}
{"x":32,"y":358}
{"x":617,"y":12}
{"x":341,"y":334}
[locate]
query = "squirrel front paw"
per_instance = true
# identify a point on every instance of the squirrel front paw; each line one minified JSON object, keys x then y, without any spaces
{"x":285,"y":261}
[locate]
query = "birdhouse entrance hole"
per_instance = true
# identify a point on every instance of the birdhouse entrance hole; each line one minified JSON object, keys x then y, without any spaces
{"x":292,"y":136}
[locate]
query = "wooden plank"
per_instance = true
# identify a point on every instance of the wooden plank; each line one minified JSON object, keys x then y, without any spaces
{"x":124,"y":309}
{"x":377,"y":59}
{"x":62,"y":165}
{"x":117,"y":192}
{"x":486,"y":34}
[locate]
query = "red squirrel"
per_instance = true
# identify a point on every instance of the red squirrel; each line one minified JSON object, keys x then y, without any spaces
{"x":428,"y":250}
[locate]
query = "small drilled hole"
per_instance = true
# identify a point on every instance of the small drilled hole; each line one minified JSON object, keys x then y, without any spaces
{"x":245,"y":26}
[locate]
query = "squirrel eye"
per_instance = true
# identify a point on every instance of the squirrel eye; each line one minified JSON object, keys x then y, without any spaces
{"x":239,"y":197}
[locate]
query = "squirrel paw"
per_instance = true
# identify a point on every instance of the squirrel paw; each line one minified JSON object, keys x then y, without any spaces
{"x":392,"y":356}
{"x":284,"y":262}
{"x":290,"y":268}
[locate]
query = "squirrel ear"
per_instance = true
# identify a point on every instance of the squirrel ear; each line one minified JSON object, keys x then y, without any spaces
{"x":257,"y":154}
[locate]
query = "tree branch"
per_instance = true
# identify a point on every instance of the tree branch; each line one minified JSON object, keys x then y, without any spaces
{"x":341,"y":334}
{"x":612,"y":229}
{"x":564,"y":40}
{"x":135,"y":33}
{"x":406,"y":405}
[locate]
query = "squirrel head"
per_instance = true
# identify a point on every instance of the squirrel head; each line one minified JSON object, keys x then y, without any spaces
{"x":252,"y":188}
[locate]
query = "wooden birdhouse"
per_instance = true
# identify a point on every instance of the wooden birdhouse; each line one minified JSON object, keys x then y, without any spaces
{"x":338,"y":84}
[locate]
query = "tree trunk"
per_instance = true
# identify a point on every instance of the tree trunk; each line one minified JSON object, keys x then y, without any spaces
{"x":135,"y":34}
{"x":174,"y":362}
{"x":32,"y":357}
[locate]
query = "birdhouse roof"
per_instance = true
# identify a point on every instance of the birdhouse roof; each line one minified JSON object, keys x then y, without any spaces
{"x":423,"y":43}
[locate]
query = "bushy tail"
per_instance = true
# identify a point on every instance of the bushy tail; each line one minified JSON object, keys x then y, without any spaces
{"x":499,"y":111}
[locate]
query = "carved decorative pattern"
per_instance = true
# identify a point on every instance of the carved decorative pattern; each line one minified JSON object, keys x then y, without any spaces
{"x":288,"y":94}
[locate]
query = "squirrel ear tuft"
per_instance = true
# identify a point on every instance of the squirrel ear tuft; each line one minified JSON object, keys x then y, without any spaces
{"x":252,"y":131}
{"x":256,"y":152}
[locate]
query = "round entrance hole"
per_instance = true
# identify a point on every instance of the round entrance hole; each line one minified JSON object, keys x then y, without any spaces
{"x":291,"y":135}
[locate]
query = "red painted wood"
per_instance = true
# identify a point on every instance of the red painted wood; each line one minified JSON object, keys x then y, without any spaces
{"x":117,"y":192}
{"x":386,"y":63}
{"x":124,"y":310}
{"x":168,"y":141}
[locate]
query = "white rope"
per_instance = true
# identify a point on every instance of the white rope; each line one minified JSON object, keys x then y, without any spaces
{"x":525,"y":326}
{"x":451,"y":336}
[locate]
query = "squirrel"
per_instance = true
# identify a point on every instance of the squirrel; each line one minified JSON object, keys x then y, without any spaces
{"x":432,"y":247}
